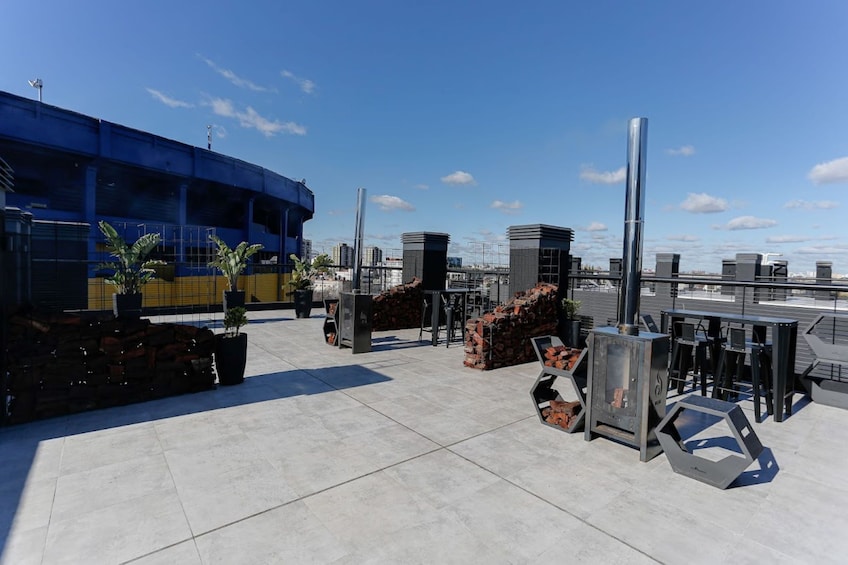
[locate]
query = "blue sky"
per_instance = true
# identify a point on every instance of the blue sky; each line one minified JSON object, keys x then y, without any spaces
{"x":469,"y":117}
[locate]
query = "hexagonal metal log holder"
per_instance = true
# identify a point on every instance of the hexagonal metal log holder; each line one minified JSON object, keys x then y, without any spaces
{"x":543,"y":392}
{"x":720,"y":473}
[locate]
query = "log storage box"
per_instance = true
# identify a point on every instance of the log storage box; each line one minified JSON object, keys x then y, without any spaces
{"x":62,"y":363}
{"x":564,"y":364}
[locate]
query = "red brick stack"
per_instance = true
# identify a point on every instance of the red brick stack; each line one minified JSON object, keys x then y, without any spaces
{"x":61,"y":363}
{"x":561,"y":413}
{"x":561,"y":357}
{"x":502,"y":338}
{"x":398,"y":308}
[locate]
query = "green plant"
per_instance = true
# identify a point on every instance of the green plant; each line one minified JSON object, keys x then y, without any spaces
{"x":232,"y":262}
{"x":305,"y":271}
{"x":132,"y":269}
{"x":234,"y":319}
{"x":570,"y":307}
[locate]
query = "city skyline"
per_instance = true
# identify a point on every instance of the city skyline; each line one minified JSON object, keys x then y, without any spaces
{"x":464,"y":118}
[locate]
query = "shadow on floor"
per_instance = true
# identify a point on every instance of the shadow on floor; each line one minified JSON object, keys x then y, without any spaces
{"x":19,"y":444}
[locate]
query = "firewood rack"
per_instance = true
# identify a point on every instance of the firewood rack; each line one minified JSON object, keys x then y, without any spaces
{"x":543,"y":391}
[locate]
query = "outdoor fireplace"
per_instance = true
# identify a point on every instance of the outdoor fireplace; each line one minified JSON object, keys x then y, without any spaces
{"x":628,"y":371}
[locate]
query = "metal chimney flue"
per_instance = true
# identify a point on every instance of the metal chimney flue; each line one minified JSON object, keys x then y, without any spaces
{"x":357,"y":238}
{"x":634,"y":214}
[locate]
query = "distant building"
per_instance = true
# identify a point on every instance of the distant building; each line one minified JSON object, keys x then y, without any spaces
{"x":372,"y":256}
{"x":343,"y":255}
{"x":307,"y":249}
{"x":454,"y":262}
{"x":394,"y":274}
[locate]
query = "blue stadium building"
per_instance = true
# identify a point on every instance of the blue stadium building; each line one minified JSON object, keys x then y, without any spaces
{"x":71,"y":170}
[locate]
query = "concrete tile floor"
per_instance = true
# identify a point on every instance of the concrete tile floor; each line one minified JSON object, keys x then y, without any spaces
{"x":401,"y":455}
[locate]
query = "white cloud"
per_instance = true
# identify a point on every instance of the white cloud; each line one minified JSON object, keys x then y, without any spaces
{"x":703,"y":203}
{"x":746,"y":223}
{"x":830,"y":171}
{"x":459,"y":178}
{"x":389,"y":203}
{"x":684,"y":238}
{"x":596,"y":226}
{"x":250,"y":118}
{"x":233,"y":77}
{"x":823,"y":250}
{"x":816,"y":205}
{"x":220,"y":131}
{"x":683,"y":151}
{"x":507,"y":207}
{"x":305,"y":84}
{"x":787,"y":239}
{"x":421,"y":186}
{"x":603,"y":177}
{"x":168,"y":101}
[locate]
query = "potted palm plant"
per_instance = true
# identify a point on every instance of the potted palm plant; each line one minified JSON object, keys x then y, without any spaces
{"x":131,"y":269}
{"x":303,"y":273}
{"x":571,"y":323}
{"x":231,"y":348}
{"x":231,"y":262}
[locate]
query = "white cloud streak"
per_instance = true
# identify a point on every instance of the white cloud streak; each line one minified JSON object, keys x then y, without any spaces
{"x":304,"y":84}
{"x":459,"y":178}
{"x":816,"y":205}
{"x":388,"y":203}
{"x":746,"y":223}
{"x":684,"y":238}
{"x":830,"y":172}
{"x":507,"y":207}
{"x":703,"y":203}
{"x":233,"y":77}
{"x":596,"y":226}
{"x":167,"y":100}
{"x":250,"y":118}
{"x":787,"y":239}
{"x":682,"y":151}
{"x":589,"y":174}
{"x":422,"y":186}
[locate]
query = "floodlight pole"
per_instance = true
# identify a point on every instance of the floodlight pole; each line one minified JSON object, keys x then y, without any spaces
{"x":38,"y":84}
{"x":209,"y":138}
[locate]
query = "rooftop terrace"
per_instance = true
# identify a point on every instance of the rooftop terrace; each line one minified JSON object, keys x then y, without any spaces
{"x":398,"y":455}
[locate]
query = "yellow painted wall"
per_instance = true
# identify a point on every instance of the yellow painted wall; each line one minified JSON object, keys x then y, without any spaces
{"x":193,"y":291}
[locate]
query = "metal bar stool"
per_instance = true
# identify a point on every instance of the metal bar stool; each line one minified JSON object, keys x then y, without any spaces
{"x":732,"y":366}
{"x":688,"y":342}
{"x":455,"y":314}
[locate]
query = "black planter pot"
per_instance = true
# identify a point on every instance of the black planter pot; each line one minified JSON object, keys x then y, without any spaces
{"x":127,"y":306}
{"x":569,"y":332}
{"x":233,"y":299}
{"x":303,"y":303}
{"x":230,"y":358}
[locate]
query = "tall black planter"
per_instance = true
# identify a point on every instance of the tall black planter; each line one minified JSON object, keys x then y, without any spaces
{"x":233,"y":299}
{"x":230,"y":358}
{"x":127,"y":306}
{"x":303,"y":303}
{"x":569,"y":332}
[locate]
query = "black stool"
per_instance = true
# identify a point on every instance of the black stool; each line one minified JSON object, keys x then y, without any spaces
{"x":731,"y":368}
{"x":686,"y":343}
{"x":453,"y":313}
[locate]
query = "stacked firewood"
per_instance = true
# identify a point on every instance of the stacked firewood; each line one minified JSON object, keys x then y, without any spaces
{"x":398,"y":308}
{"x":561,"y":357}
{"x":502,"y":338}
{"x":561,"y":413}
{"x":61,"y":363}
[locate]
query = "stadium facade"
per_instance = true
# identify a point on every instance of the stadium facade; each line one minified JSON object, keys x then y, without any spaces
{"x":72,"y":170}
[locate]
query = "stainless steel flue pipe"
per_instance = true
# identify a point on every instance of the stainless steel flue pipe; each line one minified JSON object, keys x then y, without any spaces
{"x":357,"y":238}
{"x":634,"y":214}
